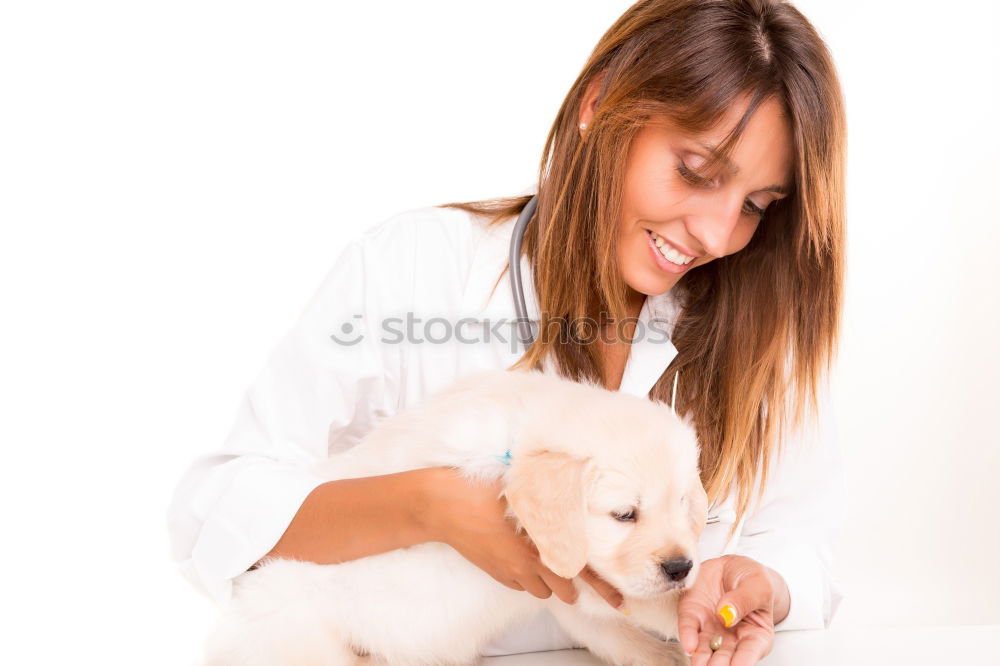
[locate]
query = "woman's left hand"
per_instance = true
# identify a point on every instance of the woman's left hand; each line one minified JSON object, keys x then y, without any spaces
{"x":753,"y":593}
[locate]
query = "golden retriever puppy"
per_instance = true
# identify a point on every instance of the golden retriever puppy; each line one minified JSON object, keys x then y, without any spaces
{"x":593,"y":477}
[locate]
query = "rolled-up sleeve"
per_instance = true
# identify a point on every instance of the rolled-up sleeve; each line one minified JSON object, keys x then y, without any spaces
{"x":796,"y":527}
{"x":321,"y":389}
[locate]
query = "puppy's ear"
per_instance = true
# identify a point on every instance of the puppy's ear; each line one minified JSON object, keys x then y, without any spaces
{"x":546,"y":491}
{"x":698,"y":503}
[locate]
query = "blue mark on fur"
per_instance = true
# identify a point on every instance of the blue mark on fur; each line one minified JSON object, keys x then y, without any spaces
{"x":505,"y":458}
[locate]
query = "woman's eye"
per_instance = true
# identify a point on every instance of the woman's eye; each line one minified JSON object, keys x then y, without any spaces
{"x":750,"y":208}
{"x":626,"y":517}
{"x":693,"y":178}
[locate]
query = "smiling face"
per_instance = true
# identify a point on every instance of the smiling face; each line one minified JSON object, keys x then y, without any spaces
{"x":674,"y":220}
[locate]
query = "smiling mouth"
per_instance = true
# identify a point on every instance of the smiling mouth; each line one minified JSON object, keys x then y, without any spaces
{"x":669,"y":252}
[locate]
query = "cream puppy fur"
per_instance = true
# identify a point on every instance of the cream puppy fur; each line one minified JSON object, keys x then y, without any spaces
{"x":594,"y":476}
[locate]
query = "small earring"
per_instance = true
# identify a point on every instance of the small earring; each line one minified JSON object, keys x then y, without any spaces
{"x":583,"y":126}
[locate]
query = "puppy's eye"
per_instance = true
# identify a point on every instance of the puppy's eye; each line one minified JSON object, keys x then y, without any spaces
{"x":625,"y":517}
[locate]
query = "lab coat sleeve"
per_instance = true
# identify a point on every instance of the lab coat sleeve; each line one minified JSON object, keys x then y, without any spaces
{"x":796,"y":527}
{"x":313,"y":395}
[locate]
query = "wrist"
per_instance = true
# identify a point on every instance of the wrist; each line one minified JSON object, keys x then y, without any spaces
{"x":425,"y":512}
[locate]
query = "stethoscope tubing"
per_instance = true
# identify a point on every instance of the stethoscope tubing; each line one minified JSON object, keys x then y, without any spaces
{"x":520,"y":307}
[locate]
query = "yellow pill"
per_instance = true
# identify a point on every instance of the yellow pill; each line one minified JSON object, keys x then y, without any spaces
{"x":728,"y":615}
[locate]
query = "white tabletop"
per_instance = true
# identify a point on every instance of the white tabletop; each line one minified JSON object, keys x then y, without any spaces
{"x":838,"y":646}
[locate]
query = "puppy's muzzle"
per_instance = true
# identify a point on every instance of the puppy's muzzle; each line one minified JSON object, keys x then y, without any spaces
{"x":676,"y":569}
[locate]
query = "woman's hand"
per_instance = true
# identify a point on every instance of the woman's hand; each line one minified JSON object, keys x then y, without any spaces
{"x":471,"y":518}
{"x":749,"y":596}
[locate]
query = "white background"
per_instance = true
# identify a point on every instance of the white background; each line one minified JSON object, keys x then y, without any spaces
{"x":176,"y":177}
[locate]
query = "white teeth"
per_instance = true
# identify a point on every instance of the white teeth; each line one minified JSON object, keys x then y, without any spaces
{"x":673,"y":255}
{"x":669,"y":252}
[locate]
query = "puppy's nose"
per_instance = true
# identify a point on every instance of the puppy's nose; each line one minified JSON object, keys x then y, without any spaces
{"x":677,"y":568}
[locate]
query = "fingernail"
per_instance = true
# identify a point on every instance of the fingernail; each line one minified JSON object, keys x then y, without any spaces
{"x":728,"y":615}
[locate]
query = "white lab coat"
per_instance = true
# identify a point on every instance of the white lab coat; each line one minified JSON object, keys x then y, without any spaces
{"x":316,"y":397}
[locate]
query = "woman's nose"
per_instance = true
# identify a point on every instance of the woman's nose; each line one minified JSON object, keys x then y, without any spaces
{"x":715,"y":225}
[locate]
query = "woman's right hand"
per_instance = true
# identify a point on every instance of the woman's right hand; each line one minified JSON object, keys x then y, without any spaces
{"x":471,"y":517}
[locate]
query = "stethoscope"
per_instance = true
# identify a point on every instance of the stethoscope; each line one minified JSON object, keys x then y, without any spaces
{"x":520,"y":308}
{"x":524,"y":324}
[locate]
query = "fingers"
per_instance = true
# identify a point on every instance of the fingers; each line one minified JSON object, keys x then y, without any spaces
{"x":608,"y":591}
{"x":690,"y":620}
{"x":562,"y":587}
{"x":567,"y":592}
{"x":536,"y":586}
{"x":744,"y":651}
{"x":750,"y":650}
{"x":753,"y":591}
{"x":545,"y":582}
{"x":703,"y":651}
{"x":514,"y":585}
{"x":544,"y":585}
{"x":705,"y":656}
{"x":723,"y":656}
{"x":738,"y":603}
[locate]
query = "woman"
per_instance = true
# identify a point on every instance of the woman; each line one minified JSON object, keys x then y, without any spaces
{"x":689,"y":218}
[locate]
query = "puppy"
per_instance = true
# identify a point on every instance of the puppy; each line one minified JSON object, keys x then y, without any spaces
{"x":593,"y":477}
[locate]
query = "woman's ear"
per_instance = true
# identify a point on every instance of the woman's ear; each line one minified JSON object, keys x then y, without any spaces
{"x":546,"y":492}
{"x":589,"y":103}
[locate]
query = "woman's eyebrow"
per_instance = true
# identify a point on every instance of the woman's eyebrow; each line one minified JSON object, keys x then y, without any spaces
{"x":777,"y":189}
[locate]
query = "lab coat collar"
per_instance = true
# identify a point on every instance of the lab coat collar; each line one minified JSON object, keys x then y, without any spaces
{"x":651,"y":351}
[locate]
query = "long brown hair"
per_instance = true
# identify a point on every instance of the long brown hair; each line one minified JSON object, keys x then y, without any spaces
{"x":758,"y":329}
